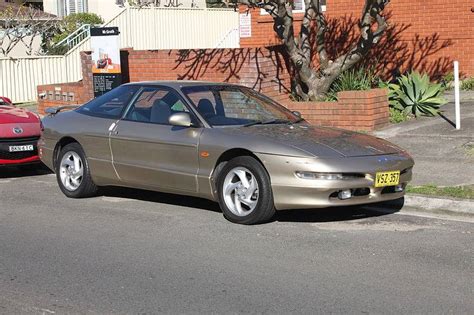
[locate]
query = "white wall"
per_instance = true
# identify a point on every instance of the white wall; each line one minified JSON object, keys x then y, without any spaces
{"x":108,"y":9}
{"x":20,"y":50}
{"x":51,"y":6}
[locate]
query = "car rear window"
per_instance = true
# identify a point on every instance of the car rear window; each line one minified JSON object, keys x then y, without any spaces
{"x":112,"y":104}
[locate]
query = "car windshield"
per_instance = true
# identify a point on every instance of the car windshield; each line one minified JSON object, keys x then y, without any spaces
{"x":236,"y":106}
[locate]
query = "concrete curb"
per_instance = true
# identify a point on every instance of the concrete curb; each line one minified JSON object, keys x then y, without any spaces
{"x":459,"y":206}
{"x":430,"y":206}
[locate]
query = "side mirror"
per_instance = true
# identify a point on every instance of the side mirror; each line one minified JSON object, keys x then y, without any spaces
{"x":296,"y":113}
{"x":180,"y":119}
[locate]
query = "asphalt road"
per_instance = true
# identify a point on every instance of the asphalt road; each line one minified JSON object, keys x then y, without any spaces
{"x":136,"y":252}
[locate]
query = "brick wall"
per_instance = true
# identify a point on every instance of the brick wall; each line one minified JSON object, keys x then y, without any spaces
{"x":355,"y":110}
{"x":263,"y":69}
{"x":54,"y":95}
{"x":424,"y":35}
{"x":63,"y":94}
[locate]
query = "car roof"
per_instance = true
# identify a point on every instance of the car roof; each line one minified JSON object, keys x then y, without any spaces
{"x":182,"y":83}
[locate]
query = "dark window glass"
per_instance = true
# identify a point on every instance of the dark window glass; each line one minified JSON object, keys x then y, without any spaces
{"x":155,"y":105}
{"x":111,"y":104}
{"x":234,"y":105}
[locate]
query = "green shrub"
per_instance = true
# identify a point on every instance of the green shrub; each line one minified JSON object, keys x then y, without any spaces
{"x":359,"y":79}
{"x":447,"y":81}
{"x":468,"y":84}
{"x":397,"y":116}
{"x":67,"y":26}
{"x":415,"y":95}
{"x":73,"y":21}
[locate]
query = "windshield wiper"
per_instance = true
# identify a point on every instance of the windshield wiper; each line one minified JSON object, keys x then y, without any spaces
{"x":268,"y":122}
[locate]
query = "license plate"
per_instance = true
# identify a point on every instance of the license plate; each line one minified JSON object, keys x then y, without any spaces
{"x":21,"y":148}
{"x":385,"y":179}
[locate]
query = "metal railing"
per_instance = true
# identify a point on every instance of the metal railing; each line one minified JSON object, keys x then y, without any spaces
{"x":75,"y":38}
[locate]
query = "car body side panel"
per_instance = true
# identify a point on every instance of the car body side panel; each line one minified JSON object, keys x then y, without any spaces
{"x":92,"y":133}
{"x":215,"y":142}
{"x":156,"y":156}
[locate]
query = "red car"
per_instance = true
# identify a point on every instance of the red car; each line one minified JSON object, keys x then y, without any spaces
{"x":19,"y":133}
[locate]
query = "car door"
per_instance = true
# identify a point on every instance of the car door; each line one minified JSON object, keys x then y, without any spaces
{"x":147,"y":151}
{"x":98,"y":116}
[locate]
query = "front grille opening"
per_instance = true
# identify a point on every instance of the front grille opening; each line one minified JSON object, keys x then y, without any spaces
{"x":5,"y":154}
{"x":388,"y":190}
{"x":334,"y":194}
{"x":391,"y":189}
{"x":359,"y":192}
{"x":17,"y":155}
{"x":353,"y":175}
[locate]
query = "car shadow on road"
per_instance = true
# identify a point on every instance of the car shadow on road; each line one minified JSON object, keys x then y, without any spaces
{"x":337,"y":214}
{"x":157,"y":197}
{"x":7,"y":172}
{"x":304,"y":216}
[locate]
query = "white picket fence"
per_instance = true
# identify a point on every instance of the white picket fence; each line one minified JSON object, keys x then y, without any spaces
{"x":141,"y":29}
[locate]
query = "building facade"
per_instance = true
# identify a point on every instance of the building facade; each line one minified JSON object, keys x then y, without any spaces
{"x":423,"y":35}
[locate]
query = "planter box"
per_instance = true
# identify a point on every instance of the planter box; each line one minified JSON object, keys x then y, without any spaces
{"x":355,"y":110}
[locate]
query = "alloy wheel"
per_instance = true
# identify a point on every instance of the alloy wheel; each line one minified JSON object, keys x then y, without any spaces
{"x":71,"y":170}
{"x":240,"y":190}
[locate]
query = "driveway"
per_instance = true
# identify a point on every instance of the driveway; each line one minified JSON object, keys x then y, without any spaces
{"x":136,"y":252}
{"x":443,"y":155}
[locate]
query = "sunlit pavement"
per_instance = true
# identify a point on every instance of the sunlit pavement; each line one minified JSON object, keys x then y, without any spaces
{"x":137,"y":252}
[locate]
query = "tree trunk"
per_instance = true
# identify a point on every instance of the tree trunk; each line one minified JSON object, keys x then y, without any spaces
{"x":309,"y":83}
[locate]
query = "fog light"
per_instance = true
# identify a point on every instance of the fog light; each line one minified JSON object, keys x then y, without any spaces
{"x":399,"y":188}
{"x":345,"y":194}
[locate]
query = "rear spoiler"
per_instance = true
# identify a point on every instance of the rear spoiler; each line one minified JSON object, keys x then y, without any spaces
{"x":54,"y":110}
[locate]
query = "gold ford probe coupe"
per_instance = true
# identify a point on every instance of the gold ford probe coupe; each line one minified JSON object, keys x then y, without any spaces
{"x":223,"y":142}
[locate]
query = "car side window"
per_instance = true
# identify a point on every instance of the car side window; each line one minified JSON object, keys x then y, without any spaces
{"x":155,"y":105}
{"x":111,"y":104}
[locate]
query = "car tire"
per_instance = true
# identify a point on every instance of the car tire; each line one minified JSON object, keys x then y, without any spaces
{"x":73,"y":173}
{"x":245,"y":192}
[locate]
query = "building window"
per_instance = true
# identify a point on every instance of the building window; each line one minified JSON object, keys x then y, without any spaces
{"x":299,"y":7}
{"x":74,"y":6}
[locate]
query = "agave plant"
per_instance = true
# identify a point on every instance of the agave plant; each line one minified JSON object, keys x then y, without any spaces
{"x":416,"y":95}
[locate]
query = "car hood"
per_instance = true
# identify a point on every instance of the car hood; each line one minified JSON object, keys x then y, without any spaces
{"x":320,"y":141}
{"x":15,"y":119}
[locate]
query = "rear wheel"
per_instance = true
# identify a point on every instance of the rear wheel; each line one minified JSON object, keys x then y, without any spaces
{"x":245,"y":194}
{"x":73,"y":173}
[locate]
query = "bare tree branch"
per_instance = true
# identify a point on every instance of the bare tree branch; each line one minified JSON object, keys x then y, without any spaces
{"x":23,"y":25}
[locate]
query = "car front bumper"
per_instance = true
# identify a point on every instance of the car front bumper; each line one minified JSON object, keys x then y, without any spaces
{"x":292,"y":192}
{"x":18,"y":158}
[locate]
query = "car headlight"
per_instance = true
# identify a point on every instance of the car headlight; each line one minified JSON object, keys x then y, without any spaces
{"x":327,"y":176}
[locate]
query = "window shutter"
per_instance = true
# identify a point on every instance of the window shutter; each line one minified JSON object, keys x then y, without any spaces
{"x":80,"y":6}
{"x":70,"y":7}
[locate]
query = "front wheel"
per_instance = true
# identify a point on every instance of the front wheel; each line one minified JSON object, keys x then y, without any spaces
{"x":73,"y":173}
{"x":245,"y":193}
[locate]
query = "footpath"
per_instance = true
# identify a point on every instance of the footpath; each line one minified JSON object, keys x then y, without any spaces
{"x":444,"y":156}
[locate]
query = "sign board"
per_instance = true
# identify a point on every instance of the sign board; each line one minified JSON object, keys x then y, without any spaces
{"x":106,"y":67}
{"x":245,"y":25}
